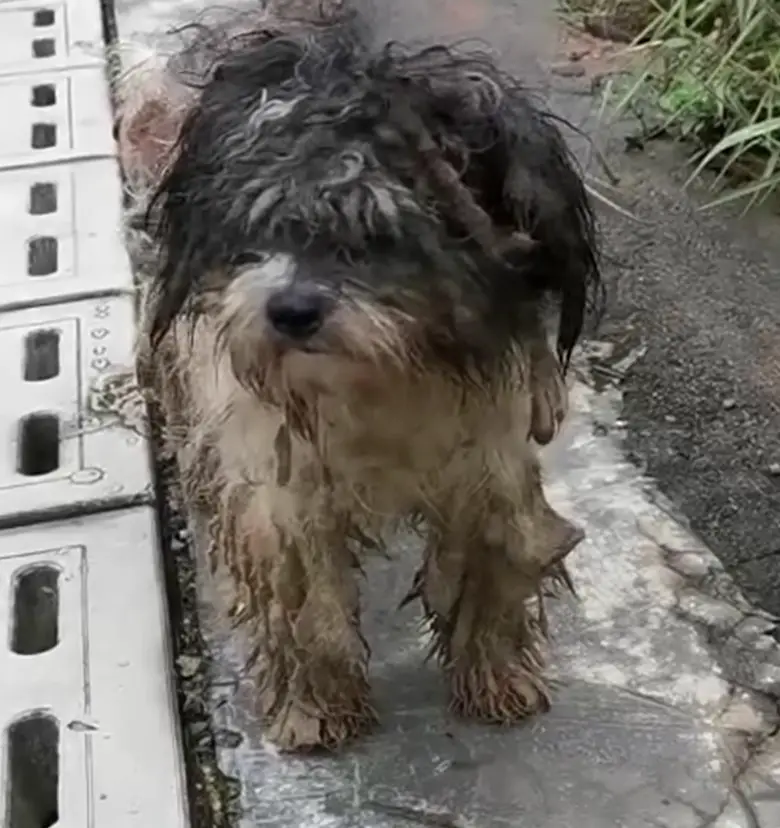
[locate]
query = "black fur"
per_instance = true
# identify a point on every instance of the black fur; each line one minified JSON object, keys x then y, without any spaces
{"x":338,"y":182}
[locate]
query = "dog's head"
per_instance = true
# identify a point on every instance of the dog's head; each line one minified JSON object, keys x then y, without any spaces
{"x":342,"y":206}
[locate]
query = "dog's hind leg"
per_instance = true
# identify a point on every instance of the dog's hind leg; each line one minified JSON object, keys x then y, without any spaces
{"x":488,"y":557}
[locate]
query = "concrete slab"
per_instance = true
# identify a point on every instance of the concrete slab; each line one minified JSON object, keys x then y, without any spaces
{"x":58,"y":203}
{"x":66,"y":444}
{"x":57,"y":116}
{"x":86,"y":700}
{"x":45,"y":35}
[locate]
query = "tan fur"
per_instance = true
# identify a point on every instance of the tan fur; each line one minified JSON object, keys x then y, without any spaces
{"x":302,"y":463}
{"x":150,"y":106}
{"x":293,"y":508}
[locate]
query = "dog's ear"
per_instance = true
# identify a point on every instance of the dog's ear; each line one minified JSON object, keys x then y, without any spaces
{"x":151,"y":107}
{"x":544,"y":189}
{"x":526,"y":176}
{"x":146,"y":138}
{"x":513,"y":157}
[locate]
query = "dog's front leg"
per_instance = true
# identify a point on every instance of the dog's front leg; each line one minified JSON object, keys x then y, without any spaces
{"x":276,"y":533}
{"x":314,"y":691}
{"x":488,"y":556}
{"x":297,"y":587}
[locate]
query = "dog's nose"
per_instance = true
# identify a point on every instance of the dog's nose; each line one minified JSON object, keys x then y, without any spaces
{"x":297,"y":312}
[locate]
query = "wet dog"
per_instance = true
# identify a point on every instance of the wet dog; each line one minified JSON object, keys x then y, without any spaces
{"x":345,"y":257}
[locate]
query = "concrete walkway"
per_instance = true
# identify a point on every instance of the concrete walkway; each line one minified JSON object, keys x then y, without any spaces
{"x":665,"y":711}
{"x":88,"y":729}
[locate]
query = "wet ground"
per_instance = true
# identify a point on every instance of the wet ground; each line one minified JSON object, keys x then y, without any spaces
{"x":664,"y":714}
{"x":665,"y":680}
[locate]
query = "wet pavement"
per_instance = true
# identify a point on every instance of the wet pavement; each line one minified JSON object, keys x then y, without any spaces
{"x":655,"y":716}
{"x":664,"y":708}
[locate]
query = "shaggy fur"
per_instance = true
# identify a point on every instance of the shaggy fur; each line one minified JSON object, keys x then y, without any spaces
{"x":342,"y":325}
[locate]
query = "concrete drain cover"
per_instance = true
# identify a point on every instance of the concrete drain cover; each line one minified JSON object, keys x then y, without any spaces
{"x":85,"y":704}
{"x":48,"y":35}
{"x":55,"y":244}
{"x":64,"y":448}
{"x":55,"y":115}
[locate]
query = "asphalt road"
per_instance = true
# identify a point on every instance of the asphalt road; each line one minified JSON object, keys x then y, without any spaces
{"x":698,"y":292}
{"x":702,"y":294}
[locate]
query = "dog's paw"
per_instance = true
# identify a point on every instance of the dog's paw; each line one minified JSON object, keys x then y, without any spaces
{"x":301,"y":728}
{"x":497,"y":694}
{"x":327,"y":708}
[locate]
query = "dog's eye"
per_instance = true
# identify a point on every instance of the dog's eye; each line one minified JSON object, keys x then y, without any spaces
{"x":250,"y":258}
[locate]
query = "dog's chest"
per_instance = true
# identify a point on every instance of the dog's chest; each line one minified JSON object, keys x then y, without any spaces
{"x":394,"y":454}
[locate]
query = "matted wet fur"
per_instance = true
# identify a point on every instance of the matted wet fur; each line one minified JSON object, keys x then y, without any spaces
{"x":345,"y":258}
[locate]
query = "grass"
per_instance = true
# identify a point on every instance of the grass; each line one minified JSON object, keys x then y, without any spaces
{"x":713,"y":73}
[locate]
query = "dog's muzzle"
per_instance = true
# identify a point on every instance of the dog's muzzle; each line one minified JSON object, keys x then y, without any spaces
{"x":298,"y":312}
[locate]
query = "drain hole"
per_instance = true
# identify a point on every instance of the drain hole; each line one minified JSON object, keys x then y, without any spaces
{"x":43,"y":199}
{"x":43,"y":136}
{"x":34,"y":772}
{"x":42,"y":256}
{"x":41,"y":355}
{"x":45,"y":94}
{"x":43,"y":17}
{"x":43,"y":47}
{"x":36,"y":611}
{"x":39,"y":445}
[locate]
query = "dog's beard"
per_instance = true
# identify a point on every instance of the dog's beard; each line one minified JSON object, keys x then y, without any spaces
{"x":360,"y":346}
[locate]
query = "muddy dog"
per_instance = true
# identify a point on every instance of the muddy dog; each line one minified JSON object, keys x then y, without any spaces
{"x":347,"y":253}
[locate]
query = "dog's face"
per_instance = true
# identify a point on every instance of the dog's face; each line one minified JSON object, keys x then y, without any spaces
{"x":300,"y":203}
{"x":335,"y":256}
